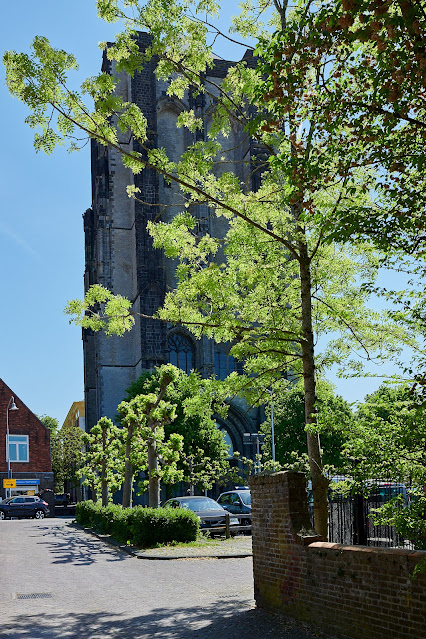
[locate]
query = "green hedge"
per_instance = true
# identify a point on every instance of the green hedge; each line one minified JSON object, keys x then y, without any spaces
{"x":139,"y":526}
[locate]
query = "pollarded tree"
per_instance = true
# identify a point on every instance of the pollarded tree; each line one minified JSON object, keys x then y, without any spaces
{"x":144,"y":418}
{"x":204,"y":454}
{"x":278,"y":231}
{"x":102,"y":467}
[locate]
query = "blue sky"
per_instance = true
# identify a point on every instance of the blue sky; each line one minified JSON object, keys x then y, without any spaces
{"x":41,"y":230}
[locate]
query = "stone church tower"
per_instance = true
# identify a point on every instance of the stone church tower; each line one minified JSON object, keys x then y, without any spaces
{"x":120,"y":256}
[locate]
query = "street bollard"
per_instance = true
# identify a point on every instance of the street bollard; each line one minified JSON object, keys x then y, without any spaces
{"x":227,"y":529}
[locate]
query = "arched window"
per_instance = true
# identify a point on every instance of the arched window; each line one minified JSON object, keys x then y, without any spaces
{"x":224,"y":363}
{"x":181,"y":352}
{"x":227,"y":439}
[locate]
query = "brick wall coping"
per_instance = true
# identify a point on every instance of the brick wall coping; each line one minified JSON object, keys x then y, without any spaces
{"x":376,"y":550}
{"x":269,"y":477}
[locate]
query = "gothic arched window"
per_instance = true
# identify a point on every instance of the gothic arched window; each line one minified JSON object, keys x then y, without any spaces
{"x":227,"y":439}
{"x":181,"y":352}
{"x":224,"y":363}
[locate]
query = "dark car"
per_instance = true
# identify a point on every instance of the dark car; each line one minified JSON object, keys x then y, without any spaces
{"x":24,"y":506}
{"x":237,"y":502}
{"x":210,"y":514}
{"x":62,"y":499}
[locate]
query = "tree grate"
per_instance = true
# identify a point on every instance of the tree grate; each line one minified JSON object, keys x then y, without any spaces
{"x":34,"y":595}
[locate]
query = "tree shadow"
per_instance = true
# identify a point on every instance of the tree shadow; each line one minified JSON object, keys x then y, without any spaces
{"x":223,"y":620}
{"x":72,"y":545}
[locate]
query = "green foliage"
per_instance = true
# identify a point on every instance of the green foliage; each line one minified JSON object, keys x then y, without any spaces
{"x":204,"y":453}
{"x":333,"y":418}
{"x":387,"y":440}
{"x":285,"y":283}
{"x":409,"y":520}
{"x":65,"y":452}
{"x":365,"y":68}
{"x":152,"y":526}
{"x":102,"y":468}
{"x":142,"y":527}
{"x":50,"y":422}
{"x":145,"y":417}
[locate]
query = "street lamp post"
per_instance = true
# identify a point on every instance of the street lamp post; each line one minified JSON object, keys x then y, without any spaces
{"x":11,"y":406}
{"x":258,"y":439}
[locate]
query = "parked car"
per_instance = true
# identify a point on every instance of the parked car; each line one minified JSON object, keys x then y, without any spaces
{"x":209,"y":512}
{"x":383,"y":491}
{"x":24,"y":506}
{"x":62,"y":499}
{"x":238,"y":502}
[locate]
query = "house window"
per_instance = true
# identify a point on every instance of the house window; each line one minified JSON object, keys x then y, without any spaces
{"x":181,"y":353}
{"x":18,"y":448}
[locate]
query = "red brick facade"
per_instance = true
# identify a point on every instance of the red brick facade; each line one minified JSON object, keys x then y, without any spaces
{"x":24,"y":422}
{"x":350,"y":591}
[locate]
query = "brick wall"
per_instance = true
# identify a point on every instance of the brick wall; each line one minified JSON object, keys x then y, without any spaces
{"x":351,"y":591}
{"x":24,"y":422}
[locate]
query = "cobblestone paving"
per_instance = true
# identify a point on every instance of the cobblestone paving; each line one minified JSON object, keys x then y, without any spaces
{"x":77,"y":587}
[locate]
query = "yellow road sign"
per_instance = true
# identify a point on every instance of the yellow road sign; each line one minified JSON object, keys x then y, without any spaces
{"x":9,"y":483}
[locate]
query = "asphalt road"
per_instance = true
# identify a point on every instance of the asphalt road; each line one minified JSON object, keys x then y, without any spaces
{"x":60,"y":582}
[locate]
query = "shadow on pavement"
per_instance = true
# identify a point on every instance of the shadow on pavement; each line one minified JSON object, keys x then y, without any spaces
{"x":224,"y":620}
{"x":67,"y":547}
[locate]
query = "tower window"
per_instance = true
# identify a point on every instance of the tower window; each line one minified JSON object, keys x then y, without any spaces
{"x":227,"y":439}
{"x":224,"y":363}
{"x":181,"y":352}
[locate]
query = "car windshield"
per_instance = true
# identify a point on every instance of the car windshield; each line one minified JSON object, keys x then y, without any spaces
{"x":246,"y":498}
{"x":203,"y":503}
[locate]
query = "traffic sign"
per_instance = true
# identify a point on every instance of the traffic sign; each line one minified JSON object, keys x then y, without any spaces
{"x":9,"y":483}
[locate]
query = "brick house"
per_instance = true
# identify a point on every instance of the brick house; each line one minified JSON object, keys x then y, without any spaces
{"x":29,"y":447}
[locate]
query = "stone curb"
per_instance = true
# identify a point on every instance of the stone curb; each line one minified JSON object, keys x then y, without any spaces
{"x":178,"y":554}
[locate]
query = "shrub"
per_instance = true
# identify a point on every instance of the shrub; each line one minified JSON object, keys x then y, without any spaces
{"x":85,"y":512}
{"x":140,"y":526}
{"x":151,"y":526}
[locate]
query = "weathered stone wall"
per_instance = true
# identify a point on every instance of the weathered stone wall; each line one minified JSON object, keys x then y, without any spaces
{"x":120,"y":253}
{"x":350,"y":591}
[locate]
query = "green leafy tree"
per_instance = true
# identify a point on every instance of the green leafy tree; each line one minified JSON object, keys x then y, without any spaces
{"x":102,"y":468}
{"x":50,"y":422}
{"x":145,"y":417}
{"x":279,"y":231}
{"x":368,"y":100}
{"x":66,"y":451}
{"x":387,"y":440}
{"x":334,"y":418}
{"x":204,"y":454}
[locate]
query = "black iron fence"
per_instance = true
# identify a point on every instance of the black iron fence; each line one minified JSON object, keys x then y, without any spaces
{"x":351,"y":517}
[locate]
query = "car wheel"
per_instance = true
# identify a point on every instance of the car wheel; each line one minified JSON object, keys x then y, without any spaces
{"x":2,"y":514}
{"x":39,"y":514}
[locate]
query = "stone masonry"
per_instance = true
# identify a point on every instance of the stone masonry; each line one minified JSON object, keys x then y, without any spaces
{"x":121,"y":257}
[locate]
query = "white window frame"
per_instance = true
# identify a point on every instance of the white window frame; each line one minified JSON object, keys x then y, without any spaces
{"x":22,"y":439}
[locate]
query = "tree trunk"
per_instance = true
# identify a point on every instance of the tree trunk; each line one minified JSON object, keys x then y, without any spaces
{"x":154,"y":482}
{"x":319,"y":481}
{"x":94,"y":494}
{"x":104,"y":486}
{"x":128,"y":469}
